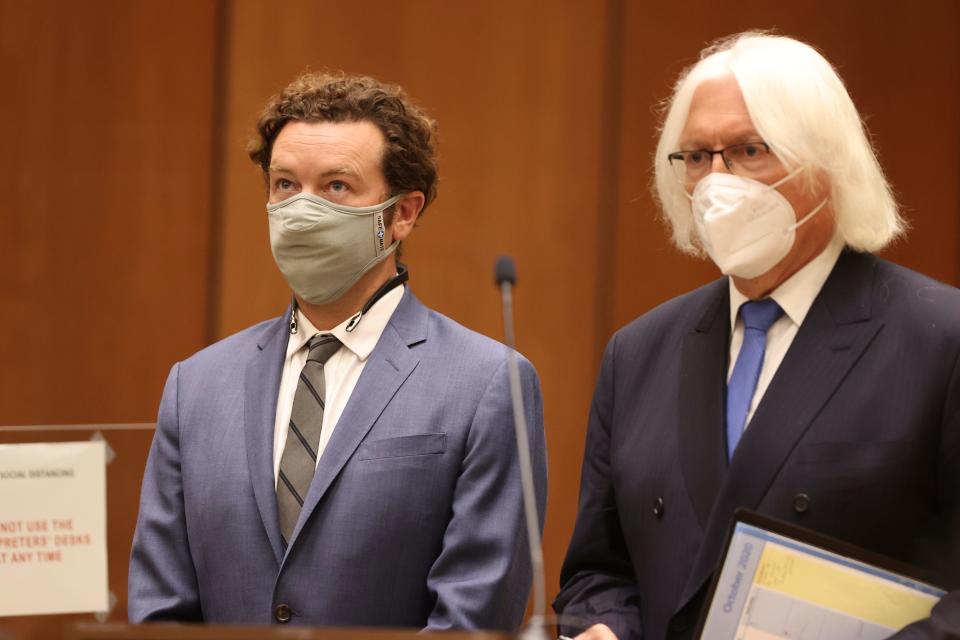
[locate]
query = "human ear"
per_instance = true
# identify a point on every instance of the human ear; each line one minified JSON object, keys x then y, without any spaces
{"x":405,"y":214}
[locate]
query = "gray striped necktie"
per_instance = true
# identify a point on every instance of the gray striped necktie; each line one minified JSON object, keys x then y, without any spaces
{"x":299,"y":459}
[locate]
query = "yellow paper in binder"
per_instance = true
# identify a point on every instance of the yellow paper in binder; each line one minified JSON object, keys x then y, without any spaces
{"x":780,"y":582}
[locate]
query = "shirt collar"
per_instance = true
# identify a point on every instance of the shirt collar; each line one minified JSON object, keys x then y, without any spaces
{"x":364,"y":336}
{"x":796,"y":295}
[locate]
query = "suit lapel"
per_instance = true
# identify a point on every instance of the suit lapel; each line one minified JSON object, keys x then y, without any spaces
{"x":262,"y":383}
{"x":701,"y":403}
{"x":836,"y":331}
{"x":389,"y":365}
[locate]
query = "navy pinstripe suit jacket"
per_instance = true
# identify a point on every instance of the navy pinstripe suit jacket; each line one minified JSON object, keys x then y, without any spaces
{"x":862,"y":419}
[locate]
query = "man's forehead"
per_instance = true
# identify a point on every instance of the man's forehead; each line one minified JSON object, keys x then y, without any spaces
{"x":716,"y":131}
{"x":353,"y":135}
{"x":340,"y":147}
{"x":333,"y":170}
{"x":718,"y":112}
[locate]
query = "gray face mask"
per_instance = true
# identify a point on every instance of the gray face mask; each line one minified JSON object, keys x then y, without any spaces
{"x":323,"y":248}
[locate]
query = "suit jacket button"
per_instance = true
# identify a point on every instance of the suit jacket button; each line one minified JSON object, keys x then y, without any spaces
{"x":282,"y":613}
{"x":658,"y":507}
{"x":801,"y":502}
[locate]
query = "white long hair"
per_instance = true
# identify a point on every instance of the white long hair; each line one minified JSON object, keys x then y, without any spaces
{"x":801,"y":108}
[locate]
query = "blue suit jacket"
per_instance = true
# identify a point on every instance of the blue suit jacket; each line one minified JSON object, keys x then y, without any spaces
{"x":857,"y":436}
{"x":413,"y":519}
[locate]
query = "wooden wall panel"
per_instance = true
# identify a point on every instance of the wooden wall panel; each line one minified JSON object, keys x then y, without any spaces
{"x":106,"y":179}
{"x":517,"y":89}
{"x":104,"y":224}
{"x":901,"y":63}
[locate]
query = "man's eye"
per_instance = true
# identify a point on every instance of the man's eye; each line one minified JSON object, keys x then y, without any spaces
{"x":338,"y":187}
{"x":695,"y":157}
{"x":284,"y":185}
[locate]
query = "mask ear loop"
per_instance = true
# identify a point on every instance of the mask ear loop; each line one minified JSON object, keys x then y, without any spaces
{"x":776,"y":184}
{"x":785,"y":178}
{"x":816,"y":209}
{"x":803,"y":220}
{"x":772,"y":187}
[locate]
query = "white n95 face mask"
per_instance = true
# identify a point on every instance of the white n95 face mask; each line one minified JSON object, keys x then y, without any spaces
{"x":746,"y":226}
{"x":323,"y":248}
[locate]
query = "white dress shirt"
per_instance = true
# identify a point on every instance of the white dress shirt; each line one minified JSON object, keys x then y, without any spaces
{"x":340,"y":373}
{"x":795,"y":296}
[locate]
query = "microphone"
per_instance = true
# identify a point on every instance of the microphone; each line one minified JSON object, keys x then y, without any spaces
{"x":505,"y":275}
{"x":504,"y":271}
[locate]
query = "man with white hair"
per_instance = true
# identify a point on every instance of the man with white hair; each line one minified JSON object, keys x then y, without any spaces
{"x":815,"y":383}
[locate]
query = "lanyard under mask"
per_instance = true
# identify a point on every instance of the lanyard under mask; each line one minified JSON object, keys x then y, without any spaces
{"x":403,"y":274}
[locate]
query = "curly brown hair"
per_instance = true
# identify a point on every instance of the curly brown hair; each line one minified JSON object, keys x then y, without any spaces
{"x":410,"y":153}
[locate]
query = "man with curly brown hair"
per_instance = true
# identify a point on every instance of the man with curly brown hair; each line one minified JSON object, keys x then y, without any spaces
{"x":351,"y":463}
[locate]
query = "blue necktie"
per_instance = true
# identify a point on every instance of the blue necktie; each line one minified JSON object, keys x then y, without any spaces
{"x":758,"y":316}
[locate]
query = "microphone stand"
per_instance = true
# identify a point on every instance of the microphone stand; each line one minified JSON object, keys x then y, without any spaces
{"x":506,"y":276}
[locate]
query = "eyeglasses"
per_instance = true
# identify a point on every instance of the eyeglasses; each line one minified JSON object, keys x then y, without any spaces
{"x":747,"y":159}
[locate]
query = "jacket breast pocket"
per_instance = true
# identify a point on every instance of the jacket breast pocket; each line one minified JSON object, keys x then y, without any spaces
{"x":857,"y":454}
{"x":880,"y":465}
{"x":421,"y":444}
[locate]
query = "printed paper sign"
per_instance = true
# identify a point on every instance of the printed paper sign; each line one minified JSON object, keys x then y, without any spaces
{"x":53,"y":521}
